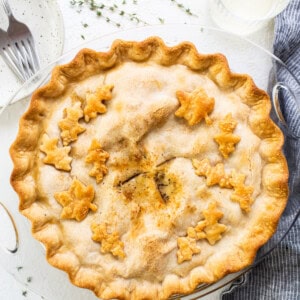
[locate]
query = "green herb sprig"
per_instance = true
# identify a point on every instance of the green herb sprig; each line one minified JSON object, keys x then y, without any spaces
{"x":101,"y":10}
{"x":184,"y":8}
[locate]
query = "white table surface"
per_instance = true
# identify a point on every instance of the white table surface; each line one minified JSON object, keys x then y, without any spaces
{"x":76,"y":32}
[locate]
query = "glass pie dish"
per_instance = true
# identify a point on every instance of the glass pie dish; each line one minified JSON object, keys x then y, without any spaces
{"x":25,"y":257}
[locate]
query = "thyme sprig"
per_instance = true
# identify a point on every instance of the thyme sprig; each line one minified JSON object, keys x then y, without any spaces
{"x":184,"y":8}
{"x":24,"y":293}
{"x":101,"y":9}
{"x":161,"y":20}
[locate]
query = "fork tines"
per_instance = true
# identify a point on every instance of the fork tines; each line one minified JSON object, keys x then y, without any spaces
{"x":17,"y":46}
{"x":26,"y":56}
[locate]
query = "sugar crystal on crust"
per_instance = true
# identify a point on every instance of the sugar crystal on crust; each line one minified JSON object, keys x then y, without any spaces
{"x":195,"y":106}
{"x":57,"y":156}
{"x":97,"y":156}
{"x":110,"y":242}
{"x":77,"y":201}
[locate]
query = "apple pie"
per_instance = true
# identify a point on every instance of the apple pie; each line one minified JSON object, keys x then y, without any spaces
{"x":148,"y":170}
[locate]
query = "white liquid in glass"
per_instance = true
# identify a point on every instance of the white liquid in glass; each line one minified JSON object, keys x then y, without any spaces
{"x":244,"y":17}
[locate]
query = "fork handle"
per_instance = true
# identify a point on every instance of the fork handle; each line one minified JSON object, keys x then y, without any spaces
{"x":7,"y":8}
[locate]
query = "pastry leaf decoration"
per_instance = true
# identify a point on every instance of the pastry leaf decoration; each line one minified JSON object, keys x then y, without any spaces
{"x":226,"y":139}
{"x":186,"y":248}
{"x":97,"y":156}
{"x":109,"y":242}
{"x":242,"y":193}
{"x":70,"y":128}
{"x":195,"y":106}
{"x":77,"y":201}
{"x":57,"y":156}
{"x":209,"y":228}
{"x":94,"y":105}
{"x":214,"y":174}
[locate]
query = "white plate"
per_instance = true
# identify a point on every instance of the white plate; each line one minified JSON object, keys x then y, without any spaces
{"x":44,"y":19}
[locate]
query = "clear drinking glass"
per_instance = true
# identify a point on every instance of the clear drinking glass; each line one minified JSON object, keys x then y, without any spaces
{"x":245,"y":17}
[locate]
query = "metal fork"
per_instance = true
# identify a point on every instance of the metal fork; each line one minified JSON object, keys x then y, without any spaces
{"x":17,"y":47}
{"x":8,"y":55}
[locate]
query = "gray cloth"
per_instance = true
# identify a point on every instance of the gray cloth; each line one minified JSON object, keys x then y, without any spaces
{"x":277,"y":276}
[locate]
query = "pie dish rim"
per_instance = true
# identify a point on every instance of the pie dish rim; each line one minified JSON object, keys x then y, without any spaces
{"x":217,"y":65}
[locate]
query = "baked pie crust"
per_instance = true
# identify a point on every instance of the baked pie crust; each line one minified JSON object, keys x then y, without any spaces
{"x":147,"y":170}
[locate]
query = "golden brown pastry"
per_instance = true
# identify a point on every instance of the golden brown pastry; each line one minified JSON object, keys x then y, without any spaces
{"x":148,"y":170}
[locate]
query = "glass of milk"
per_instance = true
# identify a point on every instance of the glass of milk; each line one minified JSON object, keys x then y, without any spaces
{"x":245,"y":17}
